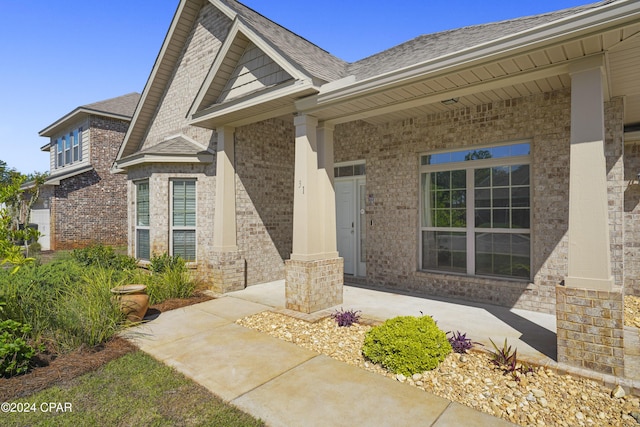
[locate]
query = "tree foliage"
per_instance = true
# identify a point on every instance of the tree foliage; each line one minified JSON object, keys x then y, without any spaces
{"x":15,"y":211}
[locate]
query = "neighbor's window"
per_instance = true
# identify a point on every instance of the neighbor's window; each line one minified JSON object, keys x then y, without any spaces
{"x":59,"y":153}
{"x":76,"y":137}
{"x":68,"y":148}
{"x":143,"y":248}
{"x":183,"y":222}
{"x":476,"y":210}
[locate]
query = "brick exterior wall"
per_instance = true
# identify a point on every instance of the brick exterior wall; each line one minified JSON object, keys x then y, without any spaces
{"x":632,"y":218}
{"x":391,"y":152}
{"x":202,"y":45}
{"x":90,"y":208}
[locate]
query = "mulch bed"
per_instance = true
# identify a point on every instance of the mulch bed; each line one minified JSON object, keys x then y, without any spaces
{"x":60,"y":369}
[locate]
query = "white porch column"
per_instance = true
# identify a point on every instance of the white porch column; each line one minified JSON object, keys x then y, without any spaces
{"x":314,"y":275}
{"x":327,"y":191}
{"x":589,"y":264}
{"x":228,"y":270}
{"x":224,"y":222}
{"x":587,"y":302}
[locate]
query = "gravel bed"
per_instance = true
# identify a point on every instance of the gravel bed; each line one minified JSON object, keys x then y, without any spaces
{"x":539,"y":398}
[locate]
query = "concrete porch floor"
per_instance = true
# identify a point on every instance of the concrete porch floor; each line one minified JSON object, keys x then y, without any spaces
{"x":533,"y":334}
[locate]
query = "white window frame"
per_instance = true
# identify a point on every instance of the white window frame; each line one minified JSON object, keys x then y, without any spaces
{"x":173,"y":227}
{"x":470,"y":229}
{"x":142,"y":227}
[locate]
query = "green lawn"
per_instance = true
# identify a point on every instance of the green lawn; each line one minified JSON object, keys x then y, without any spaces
{"x":134,"y":390}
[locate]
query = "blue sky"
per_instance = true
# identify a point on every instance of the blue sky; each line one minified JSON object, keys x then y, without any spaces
{"x":58,"y":55}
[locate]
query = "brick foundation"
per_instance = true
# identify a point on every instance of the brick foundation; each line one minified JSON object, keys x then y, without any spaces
{"x":313,"y":285}
{"x":590,"y":329}
{"x":228,"y":272}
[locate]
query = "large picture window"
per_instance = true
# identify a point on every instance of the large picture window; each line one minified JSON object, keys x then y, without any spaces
{"x":143,"y":249}
{"x":476,"y":210}
{"x":183,"y":223}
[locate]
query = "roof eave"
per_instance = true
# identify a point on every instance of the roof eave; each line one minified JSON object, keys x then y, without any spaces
{"x":147,"y":158}
{"x":77,"y":115}
{"x":557,"y":31}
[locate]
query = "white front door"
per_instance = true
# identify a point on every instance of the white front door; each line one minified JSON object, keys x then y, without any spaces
{"x":345,"y":224}
{"x":350,"y":223}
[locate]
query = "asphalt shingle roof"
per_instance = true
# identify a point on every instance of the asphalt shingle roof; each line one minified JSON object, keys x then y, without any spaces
{"x":315,"y":61}
{"x":124,"y":105}
{"x":431,"y":46}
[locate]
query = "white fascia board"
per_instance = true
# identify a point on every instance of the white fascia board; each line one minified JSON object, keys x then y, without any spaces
{"x":56,"y":178}
{"x":75,"y":116}
{"x":557,"y":31}
{"x":259,"y":98}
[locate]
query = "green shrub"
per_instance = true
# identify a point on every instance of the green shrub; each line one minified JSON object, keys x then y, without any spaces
{"x":164,"y":262}
{"x":407,"y":345}
{"x":103,"y":256}
{"x":15,"y":353}
{"x":169,"y":279}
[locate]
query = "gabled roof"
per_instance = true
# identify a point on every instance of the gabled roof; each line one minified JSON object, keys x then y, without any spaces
{"x":176,"y":149}
{"x":121,"y":107}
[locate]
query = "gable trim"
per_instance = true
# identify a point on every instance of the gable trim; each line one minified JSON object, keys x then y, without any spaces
{"x":238,"y":30}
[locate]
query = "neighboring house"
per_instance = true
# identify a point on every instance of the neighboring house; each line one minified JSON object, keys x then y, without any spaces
{"x":494,"y":163}
{"x":82,"y":203}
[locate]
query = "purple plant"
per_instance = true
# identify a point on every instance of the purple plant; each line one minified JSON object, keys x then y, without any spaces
{"x":346,"y":318}
{"x":508,"y":360}
{"x":459,"y":342}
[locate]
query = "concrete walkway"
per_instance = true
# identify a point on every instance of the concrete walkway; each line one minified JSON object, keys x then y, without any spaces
{"x":286,"y":385}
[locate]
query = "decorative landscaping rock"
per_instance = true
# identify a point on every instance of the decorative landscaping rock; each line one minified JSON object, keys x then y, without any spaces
{"x":559,"y":399}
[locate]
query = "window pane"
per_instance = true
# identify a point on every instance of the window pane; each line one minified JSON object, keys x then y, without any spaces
{"x":520,"y":175}
{"x":520,"y":218}
{"x":483,"y":218}
{"x":520,"y":197}
{"x":483,"y":198}
{"x":443,"y":199}
{"x":142,"y":204}
{"x":444,"y":250}
{"x":500,"y":197}
{"x":482,"y":178}
{"x":443,"y":180}
{"x":184,"y":244}
{"x":142,"y":244}
{"x":459,"y":179}
{"x":500,"y":176}
{"x":503,"y":254}
{"x":459,"y":199}
{"x":501,"y":218}
{"x":184,"y":203}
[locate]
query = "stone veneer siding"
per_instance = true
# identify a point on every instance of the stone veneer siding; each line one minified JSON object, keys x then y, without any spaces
{"x":590,"y":329}
{"x":311,"y":286}
{"x":392,"y":151}
{"x":90,"y":208}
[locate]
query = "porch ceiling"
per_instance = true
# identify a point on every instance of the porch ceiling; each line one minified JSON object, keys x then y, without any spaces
{"x":510,"y":76}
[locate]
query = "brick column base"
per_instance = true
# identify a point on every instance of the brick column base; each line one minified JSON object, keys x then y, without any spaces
{"x":313,"y":285}
{"x":227,"y":272}
{"x":590,"y":328}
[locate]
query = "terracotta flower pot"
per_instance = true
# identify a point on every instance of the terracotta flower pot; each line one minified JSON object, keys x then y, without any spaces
{"x":133,"y":301}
